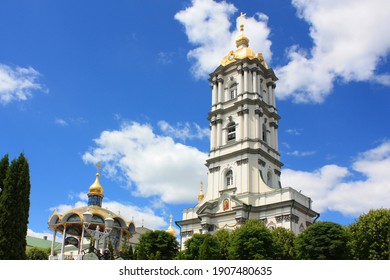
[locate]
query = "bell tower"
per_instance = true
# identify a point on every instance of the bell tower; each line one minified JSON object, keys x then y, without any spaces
{"x":244,"y":164}
{"x":244,"y":155}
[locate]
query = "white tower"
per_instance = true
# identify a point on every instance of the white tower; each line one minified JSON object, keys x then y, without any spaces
{"x":244,"y":161}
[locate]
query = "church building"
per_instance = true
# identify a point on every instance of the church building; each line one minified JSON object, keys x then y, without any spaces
{"x":244,"y":164}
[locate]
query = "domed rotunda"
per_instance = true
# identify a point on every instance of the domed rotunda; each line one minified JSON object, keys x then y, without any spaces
{"x":79,"y":226}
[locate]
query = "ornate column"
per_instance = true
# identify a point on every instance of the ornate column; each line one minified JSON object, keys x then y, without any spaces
{"x":214,"y":97}
{"x":259,"y":124}
{"x":63,"y":242}
{"x":220,"y":90}
{"x":219,"y":131}
{"x":261,"y":88}
{"x":246,"y":79}
{"x":241,"y":83}
{"x":53,"y":243}
{"x":271,"y":93}
{"x":274,"y":127}
{"x":81,"y":239}
{"x":246,"y":123}
{"x":254,"y":83}
{"x":250,"y":81}
{"x":212,"y":134}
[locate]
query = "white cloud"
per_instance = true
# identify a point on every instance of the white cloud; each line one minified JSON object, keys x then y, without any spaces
{"x":156,"y":165}
{"x":47,"y":234}
{"x":184,"y":131}
{"x":165,"y":58}
{"x":17,"y":83}
{"x":208,"y":26}
{"x":301,"y":153}
{"x":294,"y":131}
{"x":61,"y":122}
{"x":337,"y":188}
{"x":349,"y":43}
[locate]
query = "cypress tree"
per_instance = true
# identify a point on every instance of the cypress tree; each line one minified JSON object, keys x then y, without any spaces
{"x":4,"y":164}
{"x":15,"y":205}
{"x":24,"y":198}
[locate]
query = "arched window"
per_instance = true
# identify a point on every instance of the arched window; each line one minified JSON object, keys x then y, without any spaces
{"x":229,"y":178}
{"x":231,"y":132}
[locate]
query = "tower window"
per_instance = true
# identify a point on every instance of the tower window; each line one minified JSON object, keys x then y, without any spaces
{"x":233,"y":91}
{"x":231,"y":131}
{"x":229,"y":178}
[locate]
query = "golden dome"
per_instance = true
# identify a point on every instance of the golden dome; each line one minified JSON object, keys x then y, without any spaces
{"x":201,"y":194}
{"x":96,"y":188}
{"x":243,"y":50}
{"x":170,"y":229}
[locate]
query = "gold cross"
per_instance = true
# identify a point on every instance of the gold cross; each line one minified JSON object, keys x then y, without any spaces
{"x":241,"y":19}
{"x":98,"y":166}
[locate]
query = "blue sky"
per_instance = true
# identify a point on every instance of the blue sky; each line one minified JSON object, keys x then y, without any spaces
{"x":125,"y":83}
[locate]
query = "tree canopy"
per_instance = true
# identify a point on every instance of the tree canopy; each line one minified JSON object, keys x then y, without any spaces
{"x":252,"y":241}
{"x":323,"y":241}
{"x":157,"y":245}
{"x":370,"y":236}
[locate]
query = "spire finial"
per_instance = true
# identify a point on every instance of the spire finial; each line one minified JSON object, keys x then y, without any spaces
{"x":201,"y":194}
{"x":241,"y":20}
{"x":242,"y":40}
{"x":98,"y":167}
{"x":170,"y":229}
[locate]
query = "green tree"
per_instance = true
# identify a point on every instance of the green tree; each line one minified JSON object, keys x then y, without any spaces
{"x":209,"y":250}
{"x":285,"y":243}
{"x":252,"y":241}
{"x":14,"y":212}
{"x":36,"y":253}
{"x":126,"y":252}
{"x":157,"y":244}
{"x":223,"y":239}
{"x":370,"y":236}
{"x":4,"y":164}
{"x":192,"y":246}
{"x":323,"y":241}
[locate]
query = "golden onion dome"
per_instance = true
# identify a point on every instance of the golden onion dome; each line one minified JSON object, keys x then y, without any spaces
{"x":170,"y":229}
{"x":201,"y":194}
{"x":96,"y":188}
{"x":243,"y":50}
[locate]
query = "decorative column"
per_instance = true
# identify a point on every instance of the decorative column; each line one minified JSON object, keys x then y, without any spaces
{"x":241,"y":83}
{"x":220,"y":88}
{"x":81,"y":239}
{"x":240,"y":130}
{"x":259,"y":125}
{"x":271,"y":94}
{"x":246,"y":123}
{"x":53,"y":243}
{"x":63,"y":242}
{"x":274,"y":126}
{"x":246,"y":79}
{"x":250,"y":81}
{"x":254,"y":83}
{"x":261,"y":88}
{"x":214,"y":93}
{"x":212,"y":134}
{"x":219,"y":131}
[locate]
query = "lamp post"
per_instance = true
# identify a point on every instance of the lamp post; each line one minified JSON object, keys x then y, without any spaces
{"x":96,"y":233}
